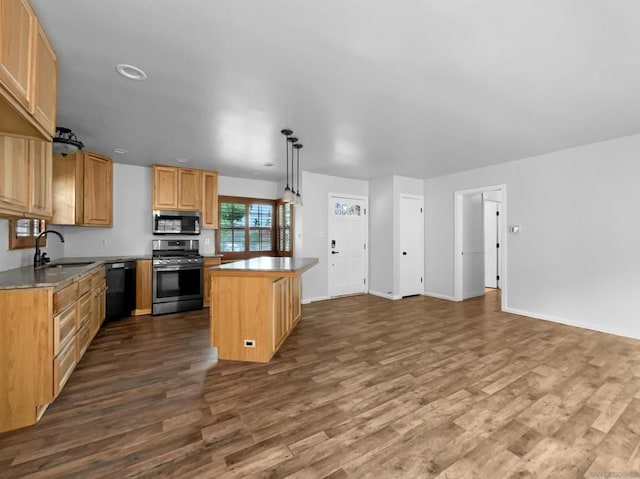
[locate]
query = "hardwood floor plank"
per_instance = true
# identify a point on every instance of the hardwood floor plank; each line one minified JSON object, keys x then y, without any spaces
{"x":364,"y":387}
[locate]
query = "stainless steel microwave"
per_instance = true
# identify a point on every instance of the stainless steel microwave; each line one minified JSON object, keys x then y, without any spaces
{"x":176,"y":222}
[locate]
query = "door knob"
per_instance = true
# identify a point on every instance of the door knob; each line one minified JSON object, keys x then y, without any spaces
{"x":404,"y":253}
{"x":335,"y":252}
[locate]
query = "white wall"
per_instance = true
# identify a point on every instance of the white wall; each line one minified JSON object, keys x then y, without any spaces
{"x":575,"y":260}
{"x":381,"y":236}
{"x":314,"y":235}
{"x":10,"y":259}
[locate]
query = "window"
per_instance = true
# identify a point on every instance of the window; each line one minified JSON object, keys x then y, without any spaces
{"x":251,"y":227}
{"x":23,"y":232}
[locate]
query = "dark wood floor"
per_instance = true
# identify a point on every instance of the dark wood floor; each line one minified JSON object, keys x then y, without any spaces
{"x":364,"y":387}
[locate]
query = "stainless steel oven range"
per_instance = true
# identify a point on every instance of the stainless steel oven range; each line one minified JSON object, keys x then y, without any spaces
{"x":178,"y":276}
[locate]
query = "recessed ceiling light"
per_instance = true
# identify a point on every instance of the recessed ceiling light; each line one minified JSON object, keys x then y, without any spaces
{"x":268,"y":165}
{"x":131,"y":72}
{"x":181,"y":160}
{"x":121,"y":151}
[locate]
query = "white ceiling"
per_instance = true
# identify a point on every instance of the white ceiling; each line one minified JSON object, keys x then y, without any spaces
{"x":417,"y":88}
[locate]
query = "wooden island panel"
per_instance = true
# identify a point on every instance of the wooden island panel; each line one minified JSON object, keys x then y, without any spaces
{"x":255,"y":304}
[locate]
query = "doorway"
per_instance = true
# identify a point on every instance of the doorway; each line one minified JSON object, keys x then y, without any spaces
{"x":411,"y":241}
{"x":348,"y":251}
{"x":492,"y":203}
{"x":469,"y":239}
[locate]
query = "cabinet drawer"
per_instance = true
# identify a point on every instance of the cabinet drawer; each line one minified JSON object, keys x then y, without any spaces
{"x":64,"y":297}
{"x":84,"y":309}
{"x":83,"y":339}
{"x":64,"y":327}
{"x":84,"y":285}
{"x":63,"y":367}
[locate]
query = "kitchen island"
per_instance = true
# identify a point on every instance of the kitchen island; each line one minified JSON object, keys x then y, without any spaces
{"x":255,"y":304}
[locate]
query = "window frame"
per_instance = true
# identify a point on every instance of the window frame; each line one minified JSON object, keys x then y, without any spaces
{"x":24,"y":242}
{"x":280,"y":252}
{"x":275,"y":230}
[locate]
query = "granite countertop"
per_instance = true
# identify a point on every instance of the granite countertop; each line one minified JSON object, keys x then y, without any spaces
{"x":30,"y":277}
{"x":267,"y":264}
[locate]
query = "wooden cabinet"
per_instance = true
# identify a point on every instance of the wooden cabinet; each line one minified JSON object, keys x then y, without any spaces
{"x":28,"y":73}
{"x":17,"y":24}
{"x":40,"y":179}
{"x":280,"y":311}
{"x":25,"y":177}
{"x":296,"y":301}
{"x":189,"y":189}
{"x":208,"y":262}
{"x":186,"y":189}
{"x":45,"y":84}
{"x":14,"y":169}
{"x":209,"y":217}
{"x":143,"y":287}
{"x":82,"y":190}
{"x":165,"y":187}
{"x":43,"y":334}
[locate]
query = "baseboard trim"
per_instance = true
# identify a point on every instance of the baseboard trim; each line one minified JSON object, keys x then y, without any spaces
{"x":439,"y":296}
{"x":384,"y":295}
{"x":576,"y":324}
{"x":313,"y":300}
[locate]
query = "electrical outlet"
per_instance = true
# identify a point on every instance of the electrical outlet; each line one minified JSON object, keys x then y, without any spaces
{"x":249,"y":343}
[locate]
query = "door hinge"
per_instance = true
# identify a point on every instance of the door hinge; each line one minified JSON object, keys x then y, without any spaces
{"x":498,"y":277}
{"x":497,"y":245}
{"x":365,"y":281}
{"x":420,"y":210}
{"x":497,"y":213}
{"x":365,"y":246}
{"x":365,"y":211}
{"x":421,"y":280}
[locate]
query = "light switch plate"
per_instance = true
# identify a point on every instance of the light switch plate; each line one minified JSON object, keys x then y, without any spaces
{"x":515,"y":229}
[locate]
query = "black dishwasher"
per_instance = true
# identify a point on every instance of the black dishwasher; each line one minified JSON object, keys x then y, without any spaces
{"x":121,"y":289}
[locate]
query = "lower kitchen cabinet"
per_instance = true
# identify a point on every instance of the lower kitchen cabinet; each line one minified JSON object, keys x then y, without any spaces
{"x":206,"y":294}
{"x":44,"y":332}
{"x":143,"y":287}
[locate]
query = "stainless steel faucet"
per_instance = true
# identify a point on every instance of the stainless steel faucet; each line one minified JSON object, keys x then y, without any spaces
{"x":40,"y":259}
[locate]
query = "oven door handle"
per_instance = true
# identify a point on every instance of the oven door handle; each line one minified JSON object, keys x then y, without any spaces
{"x":176,"y":268}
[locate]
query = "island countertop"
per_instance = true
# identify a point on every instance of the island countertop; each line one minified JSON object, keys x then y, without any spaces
{"x":265,"y":266}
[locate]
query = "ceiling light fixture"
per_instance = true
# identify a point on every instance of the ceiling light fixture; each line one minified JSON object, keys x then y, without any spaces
{"x":287,"y":197}
{"x":66,"y":142}
{"x":181,"y":160}
{"x":131,"y":72}
{"x":292,"y":140}
{"x":121,"y":151}
{"x":298,"y":198}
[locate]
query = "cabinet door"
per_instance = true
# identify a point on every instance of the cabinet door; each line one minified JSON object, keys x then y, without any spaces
{"x":209,"y":200}
{"x":98,"y":186}
{"x":40,"y":178}
{"x":279,"y":313}
{"x":14,"y":175}
{"x":296,"y":307}
{"x":165,"y":187}
{"x":17,"y":24}
{"x":208,"y":262}
{"x":189,"y":188}
{"x":45,"y":84}
{"x":143,"y":286}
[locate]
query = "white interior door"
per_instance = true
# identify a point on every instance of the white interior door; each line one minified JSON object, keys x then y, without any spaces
{"x":472,"y":246}
{"x":348,"y":252}
{"x":491,"y":242}
{"x":411,"y":230}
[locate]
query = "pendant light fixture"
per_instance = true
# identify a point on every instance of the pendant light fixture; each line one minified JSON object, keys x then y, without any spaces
{"x":288,"y":196}
{"x":292,"y":141}
{"x":298,"y":198}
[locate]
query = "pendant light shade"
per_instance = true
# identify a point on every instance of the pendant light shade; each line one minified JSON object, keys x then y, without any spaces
{"x":66,"y":142}
{"x":292,"y":141}
{"x":288,"y":196}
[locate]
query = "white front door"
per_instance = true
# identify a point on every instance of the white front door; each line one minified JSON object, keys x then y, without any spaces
{"x":347,"y":248}
{"x":411,"y":245}
{"x":472,"y":246}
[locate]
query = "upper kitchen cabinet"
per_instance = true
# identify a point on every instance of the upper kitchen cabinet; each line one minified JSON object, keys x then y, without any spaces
{"x":40,"y":179}
{"x":25,"y":177}
{"x":209,"y":200}
{"x":83,"y":190}
{"x":28,"y":73}
{"x":186,"y":189}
